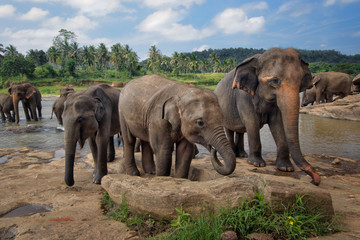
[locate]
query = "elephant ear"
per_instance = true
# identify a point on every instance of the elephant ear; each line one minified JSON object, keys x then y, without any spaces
{"x":245,"y":77}
{"x":99,"y":109}
{"x":29,"y":91}
{"x":170,"y":112}
{"x":306,"y":82}
{"x":316,"y":79}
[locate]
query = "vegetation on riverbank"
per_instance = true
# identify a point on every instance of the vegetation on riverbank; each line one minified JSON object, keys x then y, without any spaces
{"x":297,"y":221}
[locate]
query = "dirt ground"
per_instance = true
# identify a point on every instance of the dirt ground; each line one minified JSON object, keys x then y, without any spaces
{"x":31,"y":176}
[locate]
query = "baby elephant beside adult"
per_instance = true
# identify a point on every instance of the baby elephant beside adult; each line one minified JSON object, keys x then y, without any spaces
{"x":271,"y":82}
{"x":162,"y":113}
{"x":93,"y":115}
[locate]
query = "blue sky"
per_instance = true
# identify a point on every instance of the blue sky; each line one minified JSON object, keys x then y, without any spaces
{"x":184,"y":25}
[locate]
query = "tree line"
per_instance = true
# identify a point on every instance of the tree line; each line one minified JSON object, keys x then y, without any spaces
{"x":66,"y":59}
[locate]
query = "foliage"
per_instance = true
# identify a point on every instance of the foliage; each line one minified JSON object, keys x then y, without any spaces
{"x":294,"y":221}
{"x":15,"y":65}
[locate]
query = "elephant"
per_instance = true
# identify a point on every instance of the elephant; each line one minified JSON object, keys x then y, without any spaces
{"x":7,"y":108}
{"x":309,"y":97}
{"x":30,"y":98}
{"x":268,"y":93}
{"x":58,"y":106}
{"x":333,"y":83}
{"x":163,"y":113}
{"x":93,"y":115}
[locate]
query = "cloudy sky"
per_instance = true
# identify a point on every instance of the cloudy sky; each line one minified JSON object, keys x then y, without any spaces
{"x":184,"y":25}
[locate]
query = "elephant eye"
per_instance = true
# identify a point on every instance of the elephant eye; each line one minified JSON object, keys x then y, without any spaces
{"x":274,"y":82}
{"x":80,"y":119}
{"x":200,"y":123}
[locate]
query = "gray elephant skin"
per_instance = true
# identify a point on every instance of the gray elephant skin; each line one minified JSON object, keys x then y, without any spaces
{"x":7,"y":108}
{"x":332,"y":82}
{"x":93,"y":115}
{"x":269,"y":86}
{"x":309,"y":97}
{"x":30,"y":98}
{"x":58,"y":105}
{"x":163,"y":113}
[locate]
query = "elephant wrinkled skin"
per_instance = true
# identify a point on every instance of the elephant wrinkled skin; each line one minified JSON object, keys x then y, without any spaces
{"x":30,"y":98}
{"x":93,"y":115}
{"x":7,"y":108}
{"x":162,"y":113}
{"x":269,"y":86}
{"x":58,"y":106}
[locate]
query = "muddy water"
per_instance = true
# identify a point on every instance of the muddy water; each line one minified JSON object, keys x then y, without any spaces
{"x":317,"y":135}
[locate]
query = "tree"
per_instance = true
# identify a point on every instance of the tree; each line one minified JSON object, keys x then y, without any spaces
{"x":52,"y":54}
{"x":2,"y":50}
{"x":154,"y":58}
{"x":11,"y":50}
{"x":37,"y":56}
{"x":63,"y":42}
{"x":193,"y":64}
{"x":204,"y":65}
{"x":15,"y":65}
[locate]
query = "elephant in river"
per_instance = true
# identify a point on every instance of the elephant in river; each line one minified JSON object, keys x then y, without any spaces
{"x":30,"y":98}
{"x":58,"y":106}
{"x":93,"y":115}
{"x":268,"y":92}
{"x":333,"y":83}
{"x":164,"y":113}
{"x":309,"y":97}
{"x":7,"y":108}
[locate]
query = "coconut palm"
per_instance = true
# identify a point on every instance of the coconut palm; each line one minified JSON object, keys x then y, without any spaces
{"x":11,"y":50}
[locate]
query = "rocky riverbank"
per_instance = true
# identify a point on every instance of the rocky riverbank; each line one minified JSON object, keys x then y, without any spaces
{"x":347,"y":108}
{"x":34,"y":178}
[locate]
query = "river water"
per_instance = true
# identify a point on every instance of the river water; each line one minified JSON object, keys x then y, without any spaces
{"x":317,"y":135}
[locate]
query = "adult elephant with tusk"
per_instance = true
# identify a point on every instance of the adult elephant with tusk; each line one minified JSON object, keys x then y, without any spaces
{"x":270,"y":84}
{"x":93,"y":115}
{"x":161,"y":113}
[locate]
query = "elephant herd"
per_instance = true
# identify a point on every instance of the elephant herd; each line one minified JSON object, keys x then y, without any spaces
{"x":164,"y":115}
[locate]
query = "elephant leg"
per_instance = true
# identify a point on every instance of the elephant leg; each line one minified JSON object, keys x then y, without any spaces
{"x":94,"y":153}
{"x":26,"y":111}
{"x":239,"y":145}
{"x":111,"y":150}
{"x":102,"y":143}
{"x":137,"y":145}
{"x":230,"y":137}
{"x":162,"y":145}
{"x":147,"y":158}
{"x":283,"y":162}
{"x":129,"y":146}
{"x":184,"y":155}
{"x":253,"y":132}
{"x":39,"y":107}
{"x":32,"y":106}
{"x":3,"y":116}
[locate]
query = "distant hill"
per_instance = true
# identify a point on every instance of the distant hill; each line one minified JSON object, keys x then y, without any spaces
{"x":328,"y":56}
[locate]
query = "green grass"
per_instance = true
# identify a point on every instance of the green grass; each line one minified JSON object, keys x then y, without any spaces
{"x":296,"y":221}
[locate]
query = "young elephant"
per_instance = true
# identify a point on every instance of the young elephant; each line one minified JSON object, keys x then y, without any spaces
{"x":162,"y":113}
{"x":7,"y":108}
{"x":30,"y":98}
{"x":91,"y":114}
{"x":58,"y":106}
{"x":270,"y":84}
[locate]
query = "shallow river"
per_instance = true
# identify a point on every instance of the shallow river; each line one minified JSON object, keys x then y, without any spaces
{"x":317,"y":135}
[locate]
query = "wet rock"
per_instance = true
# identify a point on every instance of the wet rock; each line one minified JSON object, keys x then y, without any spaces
{"x":347,"y":108}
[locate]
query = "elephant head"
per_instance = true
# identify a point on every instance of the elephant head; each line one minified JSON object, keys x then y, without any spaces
{"x":197,"y":114}
{"x":276,"y":77}
{"x":22,"y":91}
{"x":81,"y":117}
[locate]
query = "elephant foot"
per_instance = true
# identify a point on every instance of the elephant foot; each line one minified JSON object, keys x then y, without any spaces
{"x":150,"y":170}
{"x":241,"y":154}
{"x":132,"y":171}
{"x":97,"y":179}
{"x":256,"y":161}
{"x":284,"y":165}
{"x":110,"y":158}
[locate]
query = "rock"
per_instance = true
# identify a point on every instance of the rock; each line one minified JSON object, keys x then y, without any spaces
{"x":347,"y":108}
{"x":336,"y":161}
{"x":159,"y":196}
{"x":260,"y":236}
{"x":229,"y":235}
{"x":132,"y":235}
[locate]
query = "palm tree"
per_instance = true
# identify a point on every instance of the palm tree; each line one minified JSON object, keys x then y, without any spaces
{"x":193,"y":64}
{"x":103,"y":57}
{"x":183,"y":62}
{"x":154,"y":58}
{"x":11,"y":50}
{"x":204,"y":65}
{"x":117,"y":56}
{"x":52,"y":54}
{"x":214,"y":60}
{"x":132,"y":62}
{"x":2,"y":50}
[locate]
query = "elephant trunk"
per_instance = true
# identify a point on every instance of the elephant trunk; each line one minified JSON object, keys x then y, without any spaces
{"x":219,"y":143}
{"x":16,"y":100}
{"x":70,"y":147}
{"x":288,"y":102}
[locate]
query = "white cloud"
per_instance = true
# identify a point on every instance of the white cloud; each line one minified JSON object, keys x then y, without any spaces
{"x":201,"y":48}
{"x":34,"y":14}
{"x":80,"y":23}
{"x":7,"y":11}
{"x":255,"y":6}
{"x":235,"y":20}
{"x":332,"y":2}
{"x":171,"y":3}
{"x":165,"y":23}
{"x":295,"y":8}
